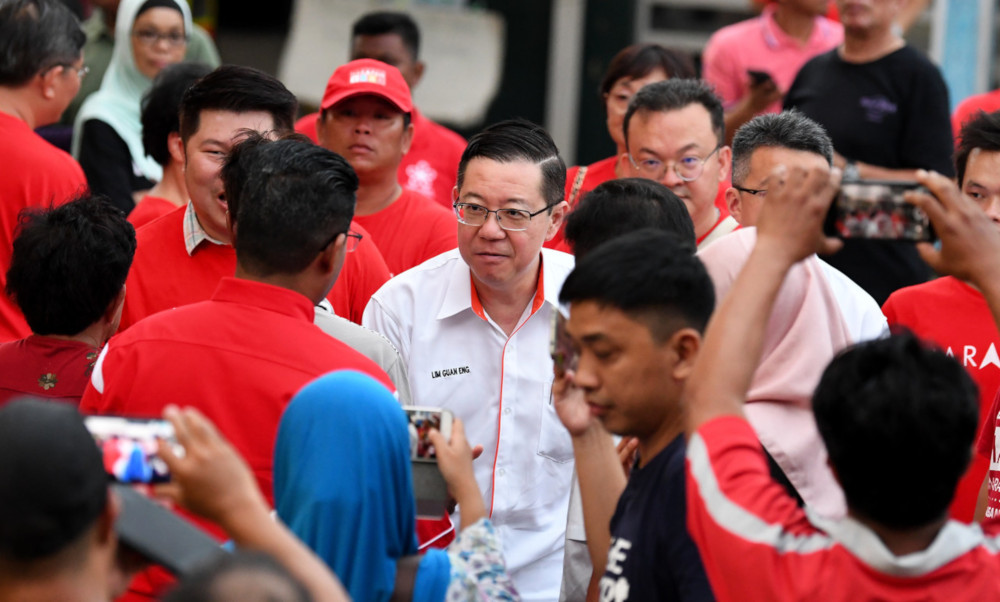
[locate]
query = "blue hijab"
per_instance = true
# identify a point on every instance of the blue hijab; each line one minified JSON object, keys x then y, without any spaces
{"x":343,"y":485}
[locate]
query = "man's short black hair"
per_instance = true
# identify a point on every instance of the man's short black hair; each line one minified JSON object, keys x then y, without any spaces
{"x":229,"y":577}
{"x":649,"y":275}
{"x":383,"y":22}
{"x":161,"y":107}
{"x":69,"y":264}
{"x":36,"y":35}
{"x":238,"y":90}
{"x":788,"y":129}
{"x":673,"y":95}
{"x":618,"y":207}
{"x":897,"y":416}
{"x":639,"y":60}
{"x":983,"y":132}
{"x":288,"y":199}
{"x":519,"y":140}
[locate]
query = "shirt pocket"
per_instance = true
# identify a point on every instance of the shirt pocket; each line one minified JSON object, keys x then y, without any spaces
{"x":554,"y":442}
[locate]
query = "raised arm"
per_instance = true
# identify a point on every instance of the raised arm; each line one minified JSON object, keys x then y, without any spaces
{"x":789,"y":230}
{"x":213,"y":481}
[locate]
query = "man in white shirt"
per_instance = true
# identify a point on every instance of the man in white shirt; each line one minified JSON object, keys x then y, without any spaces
{"x":472,"y":326}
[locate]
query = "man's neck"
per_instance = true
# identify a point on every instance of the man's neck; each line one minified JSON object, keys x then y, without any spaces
{"x":94,"y":335}
{"x":374,"y":196}
{"x":293,"y":282}
{"x":904,"y":541}
{"x":653,"y":444}
{"x":865,"y":47}
{"x":172,"y":187}
{"x":706,"y":222}
{"x":506,"y":306}
{"x":795,"y":23}
{"x":14,"y":104}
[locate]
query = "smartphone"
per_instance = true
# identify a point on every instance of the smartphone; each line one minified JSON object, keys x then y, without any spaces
{"x":561,"y":348}
{"x":875,"y":210}
{"x":129,"y":447}
{"x":429,"y":486}
{"x":758,"y":77}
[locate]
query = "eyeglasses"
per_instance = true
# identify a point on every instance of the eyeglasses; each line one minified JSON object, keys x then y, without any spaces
{"x":512,"y":220}
{"x":353,"y":240}
{"x":149,"y":37}
{"x":757,"y":192}
{"x":687,"y":168}
{"x":81,"y":72}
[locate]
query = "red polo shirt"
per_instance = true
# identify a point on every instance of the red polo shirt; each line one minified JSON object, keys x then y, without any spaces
{"x":411,"y":230}
{"x":164,"y":276}
{"x":33,"y":173}
{"x":44,"y":367}
{"x":148,"y":209}
{"x":430,"y":167}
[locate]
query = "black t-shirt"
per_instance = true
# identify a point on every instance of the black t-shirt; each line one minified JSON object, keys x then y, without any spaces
{"x":891,"y":112}
{"x":107,"y":163}
{"x":652,"y":556}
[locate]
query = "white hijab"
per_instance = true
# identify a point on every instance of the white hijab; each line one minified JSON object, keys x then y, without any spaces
{"x":118,"y":101}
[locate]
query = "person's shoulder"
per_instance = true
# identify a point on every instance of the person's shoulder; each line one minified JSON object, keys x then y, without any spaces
{"x":441,"y":134}
{"x":732,"y":36}
{"x":911,"y":60}
{"x":426,"y":207}
{"x":432,"y":274}
{"x":926,"y":292}
{"x":366,"y":341}
{"x":557,"y":261}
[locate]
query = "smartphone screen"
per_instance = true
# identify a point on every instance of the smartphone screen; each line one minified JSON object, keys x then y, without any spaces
{"x":561,"y":348}
{"x":875,"y":209}
{"x":422,"y":420}
{"x":129,"y":446}
{"x":758,"y":77}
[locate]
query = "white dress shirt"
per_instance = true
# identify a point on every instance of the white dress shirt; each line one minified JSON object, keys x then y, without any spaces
{"x":458,"y":358}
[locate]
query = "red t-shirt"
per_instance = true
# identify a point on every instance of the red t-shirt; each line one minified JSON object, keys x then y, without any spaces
{"x":238,"y":357}
{"x":954,"y":316}
{"x":411,"y":230}
{"x":45,"y":367}
{"x":34,"y":174}
{"x":430,"y":167}
{"x":164,"y":276}
{"x":757,"y":544}
{"x":148,"y":209}
{"x":988,"y":446}
{"x":987,"y":102}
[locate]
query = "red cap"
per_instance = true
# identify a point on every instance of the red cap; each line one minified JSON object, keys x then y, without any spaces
{"x":368,"y":76}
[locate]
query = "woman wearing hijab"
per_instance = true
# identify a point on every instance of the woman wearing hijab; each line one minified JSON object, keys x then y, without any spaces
{"x":107,"y":135}
{"x":343,"y":485}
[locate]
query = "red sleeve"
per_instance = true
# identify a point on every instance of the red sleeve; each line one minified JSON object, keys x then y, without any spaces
{"x":744,"y":524}
{"x":889,"y":309}
{"x":987,"y":437}
{"x":364,"y":272}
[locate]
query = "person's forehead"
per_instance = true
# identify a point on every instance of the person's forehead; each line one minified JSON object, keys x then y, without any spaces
{"x":982,"y":166}
{"x":366,"y":102}
{"x":764,"y":159}
{"x":674,"y":128}
{"x":226,"y":125}
{"x":386,"y":47}
{"x":501,"y":182}
{"x":593,"y":320}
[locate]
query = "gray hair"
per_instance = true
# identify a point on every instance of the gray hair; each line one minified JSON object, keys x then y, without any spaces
{"x":789,"y":129}
{"x":36,"y":35}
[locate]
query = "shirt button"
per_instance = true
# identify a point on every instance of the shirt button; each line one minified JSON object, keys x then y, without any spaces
{"x":506,"y":410}
{"x":501,"y":472}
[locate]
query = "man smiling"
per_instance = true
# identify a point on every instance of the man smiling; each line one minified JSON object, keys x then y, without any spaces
{"x":472,"y":326}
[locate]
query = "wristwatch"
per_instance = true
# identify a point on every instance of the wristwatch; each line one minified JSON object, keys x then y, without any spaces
{"x":851,"y":171}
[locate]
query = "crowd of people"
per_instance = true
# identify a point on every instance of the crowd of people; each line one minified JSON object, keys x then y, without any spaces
{"x":744,"y":408}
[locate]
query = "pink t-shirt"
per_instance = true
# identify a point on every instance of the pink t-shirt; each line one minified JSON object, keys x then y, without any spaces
{"x":760,"y":45}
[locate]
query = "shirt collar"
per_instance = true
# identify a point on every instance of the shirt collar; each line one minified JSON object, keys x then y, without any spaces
{"x":776,"y":37}
{"x":194,"y":233}
{"x":461,"y":295}
{"x":265,"y":296}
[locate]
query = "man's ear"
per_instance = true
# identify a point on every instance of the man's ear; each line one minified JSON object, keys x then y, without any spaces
{"x":331,"y":258}
{"x":175,"y":146}
{"x":407,"y":139}
{"x":559,"y":212}
{"x":418,"y":72}
{"x":735,"y":204}
{"x":725,"y":162}
{"x":106,"y":534}
{"x":321,"y":129}
{"x":684,"y":345}
{"x":48,"y":81}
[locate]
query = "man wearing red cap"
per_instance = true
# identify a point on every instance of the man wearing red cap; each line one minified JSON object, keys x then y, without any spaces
{"x":365,"y":117}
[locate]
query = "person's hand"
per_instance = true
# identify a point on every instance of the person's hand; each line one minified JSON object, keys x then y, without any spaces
{"x":570,"y":405}
{"x":762,"y":95}
{"x":454,"y":460}
{"x":627,"y":449}
{"x":790,"y":225}
{"x":211,"y":479}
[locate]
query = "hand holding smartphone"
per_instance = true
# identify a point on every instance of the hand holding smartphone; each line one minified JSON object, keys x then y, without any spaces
{"x":429,"y":486}
{"x":129,"y":447}
{"x":561,"y":348}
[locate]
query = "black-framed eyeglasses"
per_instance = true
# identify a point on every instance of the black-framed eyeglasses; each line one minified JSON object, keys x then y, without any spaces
{"x":150,"y":37}
{"x":687,"y":168}
{"x":353,"y":240}
{"x":757,"y":192}
{"x":514,"y":220}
